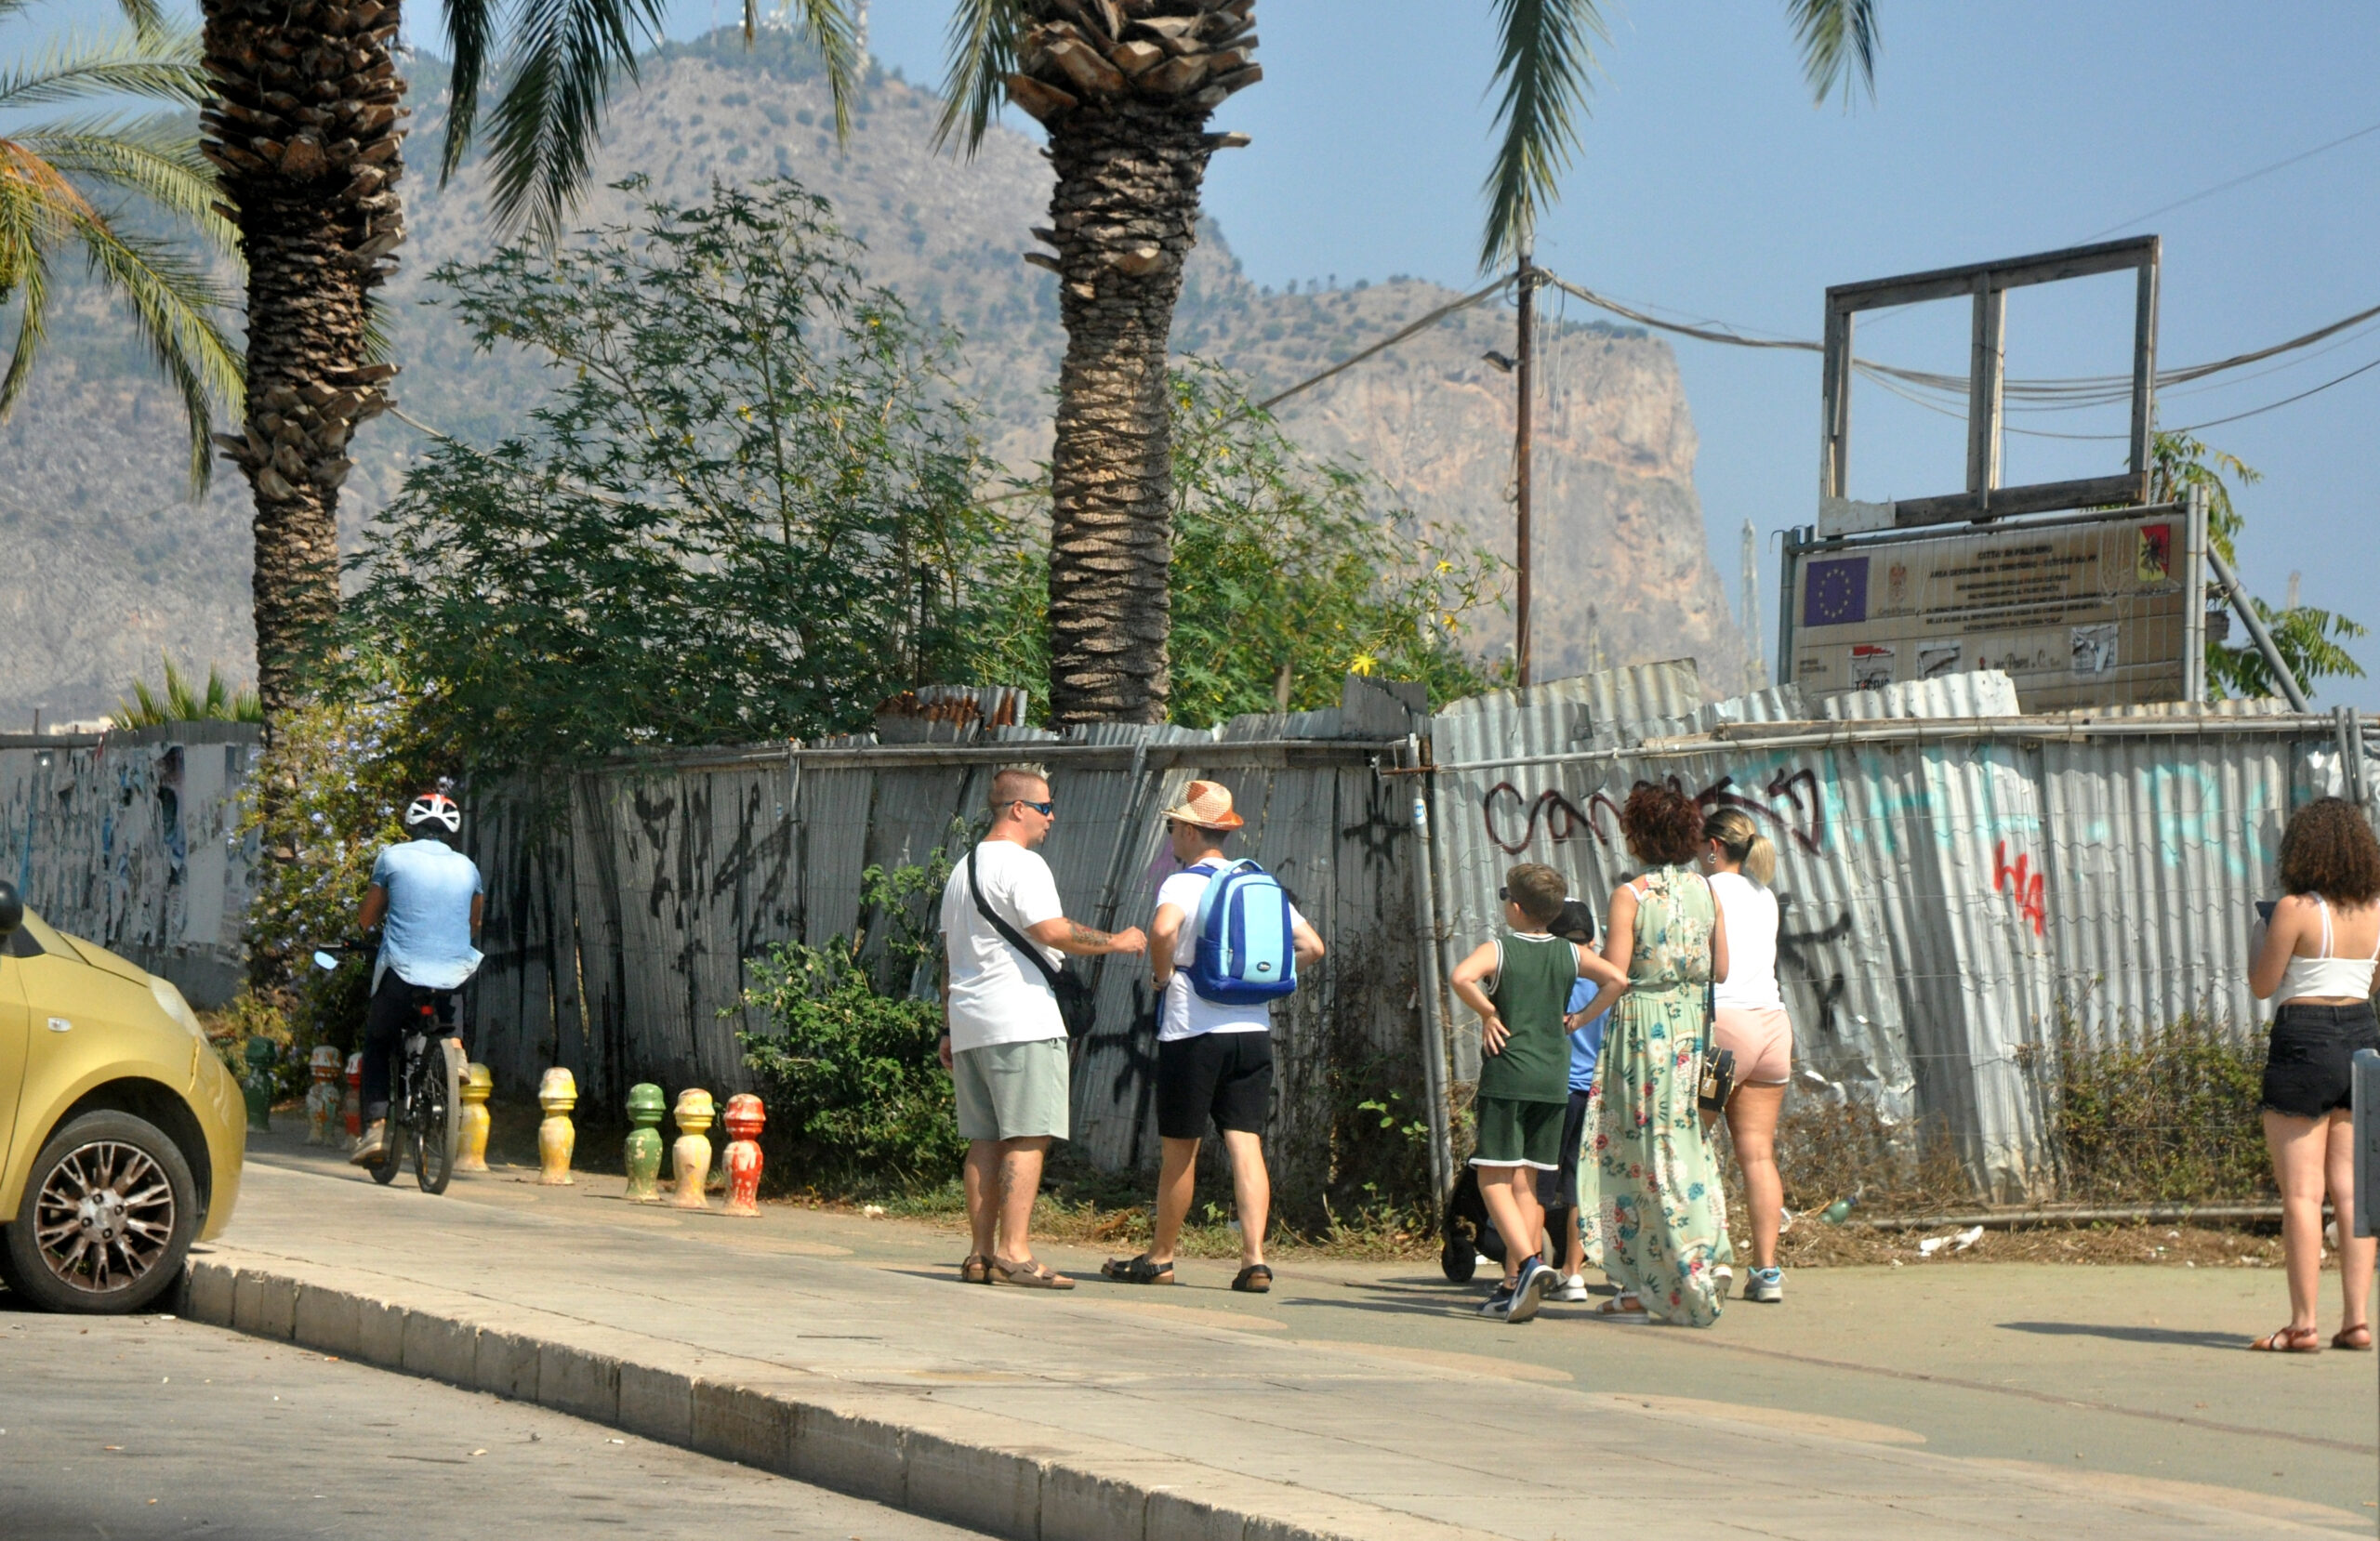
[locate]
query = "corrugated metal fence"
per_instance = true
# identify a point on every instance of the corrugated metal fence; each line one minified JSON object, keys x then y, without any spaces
{"x":1958,"y":881}
{"x":132,"y":839}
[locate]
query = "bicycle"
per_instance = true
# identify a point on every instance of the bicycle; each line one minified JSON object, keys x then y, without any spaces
{"x":423,"y":1093}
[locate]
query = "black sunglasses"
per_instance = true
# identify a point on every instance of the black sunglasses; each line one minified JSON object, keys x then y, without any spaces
{"x":1047,"y":810}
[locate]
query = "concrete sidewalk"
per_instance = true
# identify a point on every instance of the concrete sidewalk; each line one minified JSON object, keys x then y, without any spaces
{"x":1113,"y":1413}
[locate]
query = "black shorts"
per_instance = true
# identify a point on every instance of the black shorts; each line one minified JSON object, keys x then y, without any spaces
{"x":1223,"y":1076}
{"x":1559,"y":1188}
{"x":2307,"y":1070}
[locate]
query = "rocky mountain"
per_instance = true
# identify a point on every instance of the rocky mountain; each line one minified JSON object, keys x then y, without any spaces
{"x":108,"y":564}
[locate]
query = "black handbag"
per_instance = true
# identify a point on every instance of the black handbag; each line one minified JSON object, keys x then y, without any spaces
{"x":1076,"y":1007}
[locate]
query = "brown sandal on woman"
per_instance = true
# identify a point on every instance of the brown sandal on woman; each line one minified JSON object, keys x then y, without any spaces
{"x":2290,"y":1340}
{"x":976,"y":1270}
{"x":1028,"y":1275}
{"x":2355,"y":1339}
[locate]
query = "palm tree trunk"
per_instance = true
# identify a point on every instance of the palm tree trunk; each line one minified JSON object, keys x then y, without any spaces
{"x":306,"y":129}
{"x":1125,"y":88}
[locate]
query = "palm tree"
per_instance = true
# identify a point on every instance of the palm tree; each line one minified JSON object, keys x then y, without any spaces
{"x":306,"y":128}
{"x":74,"y":181}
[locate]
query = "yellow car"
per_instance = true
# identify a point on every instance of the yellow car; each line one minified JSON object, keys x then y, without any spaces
{"x":121,"y":1131}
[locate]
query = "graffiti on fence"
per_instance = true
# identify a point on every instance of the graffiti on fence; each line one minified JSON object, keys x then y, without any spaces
{"x":2021,"y":884}
{"x":1505,"y":804}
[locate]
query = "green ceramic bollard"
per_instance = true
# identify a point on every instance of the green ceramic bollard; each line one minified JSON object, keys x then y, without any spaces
{"x":646,"y":1104}
{"x":262,"y":1053}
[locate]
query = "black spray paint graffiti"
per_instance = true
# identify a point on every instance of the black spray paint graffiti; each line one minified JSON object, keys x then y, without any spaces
{"x":1794,"y":954}
{"x":1564,"y":819}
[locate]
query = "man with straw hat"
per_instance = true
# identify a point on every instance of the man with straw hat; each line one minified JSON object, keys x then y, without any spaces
{"x":1214,"y":1061}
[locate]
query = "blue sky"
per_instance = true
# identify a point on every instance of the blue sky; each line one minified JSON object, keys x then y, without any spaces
{"x":1708,"y":185}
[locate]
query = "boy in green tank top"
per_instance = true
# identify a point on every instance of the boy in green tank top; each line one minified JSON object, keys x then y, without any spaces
{"x":1520,"y":984}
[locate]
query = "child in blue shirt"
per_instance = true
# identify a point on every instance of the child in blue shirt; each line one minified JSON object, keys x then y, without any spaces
{"x":1568,"y":1213}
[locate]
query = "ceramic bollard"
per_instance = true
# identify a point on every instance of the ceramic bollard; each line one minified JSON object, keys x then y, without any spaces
{"x":691,"y":1153}
{"x":323,"y":1096}
{"x":261,"y":1052}
{"x":641,"y":1158}
{"x":351,"y":1107}
{"x":557,"y":1093}
{"x":472,"y":1124}
{"x":744,"y":1121}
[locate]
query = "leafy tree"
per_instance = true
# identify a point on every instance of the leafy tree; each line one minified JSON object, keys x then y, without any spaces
{"x":2310,"y":641}
{"x":74,"y":182}
{"x":1285,"y":580}
{"x":184,"y":700}
{"x":745,"y":511}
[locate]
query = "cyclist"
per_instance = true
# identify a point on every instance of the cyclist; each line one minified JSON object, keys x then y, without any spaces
{"x":432,"y":899}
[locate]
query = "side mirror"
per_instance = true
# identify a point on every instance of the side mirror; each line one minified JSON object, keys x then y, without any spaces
{"x":12,"y":908}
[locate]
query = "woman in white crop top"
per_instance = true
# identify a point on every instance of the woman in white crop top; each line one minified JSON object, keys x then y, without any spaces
{"x":1749,"y":1019}
{"x":2316,"y":960}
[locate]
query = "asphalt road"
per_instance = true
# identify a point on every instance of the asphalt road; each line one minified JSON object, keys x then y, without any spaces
{"x":122,"y":1428}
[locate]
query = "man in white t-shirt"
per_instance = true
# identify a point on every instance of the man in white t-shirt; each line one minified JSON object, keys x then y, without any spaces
{"x":1214,"y":1063}
{"x":1003,"y":1039}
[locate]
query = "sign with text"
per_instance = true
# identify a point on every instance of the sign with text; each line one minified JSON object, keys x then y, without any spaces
{"x":2098,"y":612}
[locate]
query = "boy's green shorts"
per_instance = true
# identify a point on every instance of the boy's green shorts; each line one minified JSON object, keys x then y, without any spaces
{"x":1513,"y":1133}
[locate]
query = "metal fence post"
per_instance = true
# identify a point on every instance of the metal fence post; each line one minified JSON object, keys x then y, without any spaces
{"x":2366,"y":1087}
{"x":1434,"y":1033}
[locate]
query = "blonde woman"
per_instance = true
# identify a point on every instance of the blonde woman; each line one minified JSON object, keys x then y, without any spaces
{"x":1749,"y":1019}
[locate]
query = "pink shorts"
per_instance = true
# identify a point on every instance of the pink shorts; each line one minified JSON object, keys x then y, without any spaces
{"x":1762,"y":1042}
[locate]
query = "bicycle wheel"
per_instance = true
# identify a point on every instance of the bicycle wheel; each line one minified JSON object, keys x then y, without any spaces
{"x":436,"y":1096}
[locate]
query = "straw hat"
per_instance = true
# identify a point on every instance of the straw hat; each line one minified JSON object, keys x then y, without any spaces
{"x":1205,"y":805}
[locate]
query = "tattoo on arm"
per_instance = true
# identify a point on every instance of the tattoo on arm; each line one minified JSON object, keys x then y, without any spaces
{"x":1084,"y":936}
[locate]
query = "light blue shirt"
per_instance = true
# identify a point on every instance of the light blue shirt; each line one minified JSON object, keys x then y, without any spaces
{"x":1586,"y":1043}
{"x":426,"y":937}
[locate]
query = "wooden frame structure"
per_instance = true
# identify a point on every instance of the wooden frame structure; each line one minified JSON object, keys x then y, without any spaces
{"x":1990,"y":283}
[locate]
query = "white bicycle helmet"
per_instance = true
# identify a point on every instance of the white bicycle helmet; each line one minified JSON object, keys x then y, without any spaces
{"x":434,"y":807}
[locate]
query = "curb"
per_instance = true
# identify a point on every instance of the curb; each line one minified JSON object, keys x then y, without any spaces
{"x":954,"y":1464}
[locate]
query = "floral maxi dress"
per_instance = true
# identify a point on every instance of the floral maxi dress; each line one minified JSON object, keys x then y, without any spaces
{"x":1664,"y":1229}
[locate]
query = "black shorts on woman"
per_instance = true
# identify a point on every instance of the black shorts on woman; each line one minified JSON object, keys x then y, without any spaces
{"x":2309,"y":1066}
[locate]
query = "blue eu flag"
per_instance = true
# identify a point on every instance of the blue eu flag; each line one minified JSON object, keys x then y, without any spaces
{"x":1836,"y":594}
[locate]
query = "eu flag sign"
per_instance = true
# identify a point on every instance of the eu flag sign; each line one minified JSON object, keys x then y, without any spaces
{"x":1836,"y":593}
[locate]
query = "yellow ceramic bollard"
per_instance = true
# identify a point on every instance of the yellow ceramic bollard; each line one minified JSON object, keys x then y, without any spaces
{"x":557,"y":1093}
{"x":478,"y":1085}
{"x":323,"y":1096}
{"x":691,"y":1155}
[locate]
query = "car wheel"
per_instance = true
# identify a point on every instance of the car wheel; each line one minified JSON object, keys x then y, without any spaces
{"x":109,"y":1213}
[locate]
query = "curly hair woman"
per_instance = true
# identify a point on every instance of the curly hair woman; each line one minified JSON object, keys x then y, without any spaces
{"x":2319,"y":948}
{"x":1664,"y":1226}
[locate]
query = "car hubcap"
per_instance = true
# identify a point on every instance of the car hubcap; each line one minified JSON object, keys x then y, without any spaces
{"x":104,"y":1218}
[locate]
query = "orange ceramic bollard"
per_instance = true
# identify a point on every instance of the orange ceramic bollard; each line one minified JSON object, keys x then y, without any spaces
{"x":690,"y":1155}
{"x":743,"y":1120}
{"x":352,"y":1108}
{"x":479,"y":1085}
{"x":557,"y":1093}
{"x":323,"y":1096}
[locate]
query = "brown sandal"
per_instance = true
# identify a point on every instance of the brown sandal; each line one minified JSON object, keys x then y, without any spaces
{"x":976,"y":1270}
{"x":2355,"y":1339}
{"x":1028,"y":1275}
{"x":2290,"y":1340}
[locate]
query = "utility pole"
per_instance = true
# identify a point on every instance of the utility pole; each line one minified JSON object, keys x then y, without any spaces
{"x":1759,"y":672}
{"x":1523,"y":537}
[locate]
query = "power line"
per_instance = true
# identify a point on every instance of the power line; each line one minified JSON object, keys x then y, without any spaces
{"x":2226,"y":187}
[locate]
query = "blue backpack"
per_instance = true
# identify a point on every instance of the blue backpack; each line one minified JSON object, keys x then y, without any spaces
{"x":1245,"y":954}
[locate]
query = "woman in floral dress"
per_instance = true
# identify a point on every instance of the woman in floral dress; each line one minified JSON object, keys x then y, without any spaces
{"x":1664,"y":1222}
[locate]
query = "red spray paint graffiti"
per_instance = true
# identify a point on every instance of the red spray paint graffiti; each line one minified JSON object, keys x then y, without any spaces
{"x":2019,"y":883}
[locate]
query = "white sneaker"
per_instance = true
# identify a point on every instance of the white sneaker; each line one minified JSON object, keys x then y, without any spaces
{"x":1767,"y":1286}
{"x":1572,"y":1290}
{"x":1726,"y":1279}
{"x":373,"y":1140}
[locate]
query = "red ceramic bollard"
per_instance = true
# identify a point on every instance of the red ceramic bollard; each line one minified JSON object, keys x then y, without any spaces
{"x":352,"y":1108}
{"x":744,"y":1121}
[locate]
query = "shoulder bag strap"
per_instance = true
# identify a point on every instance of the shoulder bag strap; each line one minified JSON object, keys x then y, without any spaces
{"x":1007,"y":931}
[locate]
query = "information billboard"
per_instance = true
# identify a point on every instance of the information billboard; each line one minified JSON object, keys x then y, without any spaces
{"x":2102,"y":610}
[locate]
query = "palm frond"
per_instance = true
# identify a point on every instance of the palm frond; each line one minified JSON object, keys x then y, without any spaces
{"x":1838,"y":39}
{"x":173,"y":302}
{"x":1545,"y":60}
{"x":543,"y":126}
{"x":831,"y":30}
{"x":468,"y":25}
{"x":980,"y":43}
{"x":147,"y":16}
{"x":36,"y":206}
{"x":162,"y":66}
{"x":155,"y":157}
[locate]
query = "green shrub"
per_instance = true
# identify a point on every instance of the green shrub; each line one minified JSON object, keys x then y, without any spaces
{"x":2170,"y":1117}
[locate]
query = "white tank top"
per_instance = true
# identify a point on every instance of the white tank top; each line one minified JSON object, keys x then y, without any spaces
{"x":2349,"y":977}
{"x":1748,"y":911}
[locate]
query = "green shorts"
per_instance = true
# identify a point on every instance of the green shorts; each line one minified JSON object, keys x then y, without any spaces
{"x":1513,"y":1133}
{"x":1012,"y":1091}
